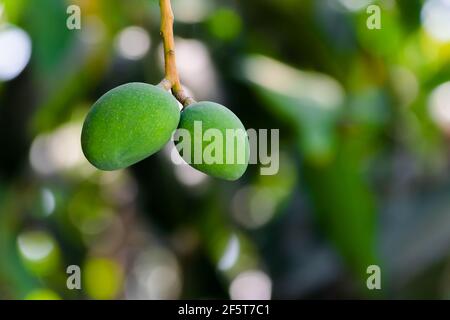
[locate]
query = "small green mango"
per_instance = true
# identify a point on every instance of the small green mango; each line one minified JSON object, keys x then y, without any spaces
{"x":128,"y":124}
{"x":218,"y":143}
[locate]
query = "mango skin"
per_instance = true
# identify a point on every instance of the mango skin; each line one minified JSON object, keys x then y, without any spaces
{"x":215,"y":116}
{"x":128,"y":124}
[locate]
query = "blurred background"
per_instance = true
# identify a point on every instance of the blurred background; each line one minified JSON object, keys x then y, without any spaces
{"x":364,"y":119}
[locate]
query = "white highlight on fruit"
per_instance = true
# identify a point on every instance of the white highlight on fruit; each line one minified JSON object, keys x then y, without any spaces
{"x":133,"y":43}
{"x":15,"y":51}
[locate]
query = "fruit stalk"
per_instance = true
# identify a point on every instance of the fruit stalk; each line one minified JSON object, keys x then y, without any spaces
{"x":172,"y":79}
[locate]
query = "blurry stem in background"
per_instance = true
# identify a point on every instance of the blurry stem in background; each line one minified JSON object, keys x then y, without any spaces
{"x":172,"y":79}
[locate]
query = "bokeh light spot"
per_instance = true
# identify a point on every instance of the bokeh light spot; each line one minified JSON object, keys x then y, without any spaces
{"x":57,"y":151}
{"x":133,"y":43}
{"x":103,"y":278}
{"x":324,"y":91}
{"x":439,"y":106}
{"x":354,"y":5}
{"x":42,"y":294}
{"x":15,"y":51}
{"x":231,"y":254}
{"x":251,"y":285}
{"x":198,"y":74}
{"x":48,"y":201}
{"x":39,"y":252}
{"x":436,"y":19}
{"x":225,"y":24}
{"x":156,"y":275}
{"x":35,"y":246}
{"x":191,"y":11}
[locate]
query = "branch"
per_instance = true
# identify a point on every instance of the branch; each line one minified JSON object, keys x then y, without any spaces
{"x":172,"y":79}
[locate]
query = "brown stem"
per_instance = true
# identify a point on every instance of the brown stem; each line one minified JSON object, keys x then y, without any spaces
{"x":172,"y":78}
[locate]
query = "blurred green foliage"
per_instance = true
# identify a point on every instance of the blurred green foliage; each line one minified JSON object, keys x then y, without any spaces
{"x":364,"y":159}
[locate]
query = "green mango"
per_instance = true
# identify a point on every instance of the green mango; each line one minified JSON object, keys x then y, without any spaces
{"x":218,"y":143}
{"x":128,"y":124}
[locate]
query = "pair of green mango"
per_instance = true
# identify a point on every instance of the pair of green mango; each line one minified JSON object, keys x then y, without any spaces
{"x":135,"y":120}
